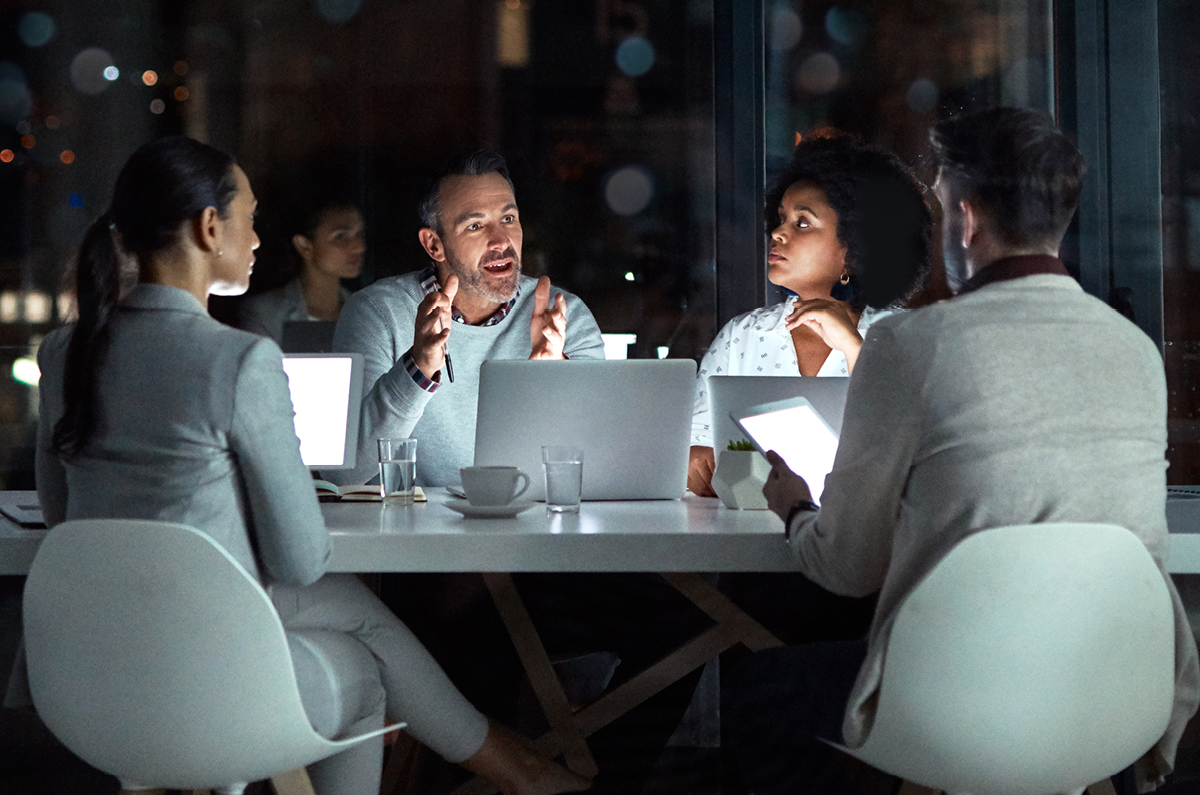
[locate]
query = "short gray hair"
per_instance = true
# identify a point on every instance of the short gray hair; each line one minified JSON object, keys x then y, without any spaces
{"x":476,"y":164}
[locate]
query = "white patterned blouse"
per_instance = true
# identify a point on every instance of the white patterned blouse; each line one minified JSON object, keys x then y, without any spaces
{"x":759,"y":343}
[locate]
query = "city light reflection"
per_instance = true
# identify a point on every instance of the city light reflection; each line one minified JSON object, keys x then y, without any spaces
{"x":35,"y":29}
{"x":90,"y":70}
{"x":25,"y":370}
{"x":629,"y":190}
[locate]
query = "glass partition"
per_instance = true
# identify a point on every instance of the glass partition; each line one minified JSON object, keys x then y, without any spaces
{"x":1178,"y":30}
{"x":887,"y":71}
{"x":603,"y":109}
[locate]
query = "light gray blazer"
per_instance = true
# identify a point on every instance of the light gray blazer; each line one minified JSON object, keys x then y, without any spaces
{"x":194,"y":426}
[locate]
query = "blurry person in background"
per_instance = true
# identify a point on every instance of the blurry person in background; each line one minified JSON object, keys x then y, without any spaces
{"x":850,"y":235}
{"x":326,"y":238}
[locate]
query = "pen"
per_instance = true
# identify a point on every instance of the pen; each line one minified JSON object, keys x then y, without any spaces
{"x":449,"y":365}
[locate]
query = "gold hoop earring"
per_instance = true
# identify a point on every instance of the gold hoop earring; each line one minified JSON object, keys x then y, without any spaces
{"x":845,"y":278}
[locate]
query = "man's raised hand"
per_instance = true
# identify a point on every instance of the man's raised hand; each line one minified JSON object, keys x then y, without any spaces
{"x":548,"y":329}
{"x":433,"y":328}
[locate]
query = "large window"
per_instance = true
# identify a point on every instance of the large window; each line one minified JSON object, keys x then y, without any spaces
{"x":640,"y":135}
{"x":604,"y":110}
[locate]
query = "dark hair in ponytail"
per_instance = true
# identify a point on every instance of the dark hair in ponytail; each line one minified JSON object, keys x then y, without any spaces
{"x":163,"y":185}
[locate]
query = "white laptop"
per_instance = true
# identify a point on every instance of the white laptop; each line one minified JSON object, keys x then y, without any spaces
{"x":326,"y":393}
{"x":728,"y":393}
{"x":631,"y":418}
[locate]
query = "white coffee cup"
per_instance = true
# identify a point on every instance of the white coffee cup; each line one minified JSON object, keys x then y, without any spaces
{"x":493,"y":485}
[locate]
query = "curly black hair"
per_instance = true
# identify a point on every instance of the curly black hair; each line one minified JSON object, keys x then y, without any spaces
{"x":883,"y":218}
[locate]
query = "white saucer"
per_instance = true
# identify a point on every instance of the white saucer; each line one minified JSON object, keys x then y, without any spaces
{"x":488,"y":511}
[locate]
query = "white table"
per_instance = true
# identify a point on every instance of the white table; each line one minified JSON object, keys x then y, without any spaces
{"x":693,"y":534}
{"x":689,"y":535}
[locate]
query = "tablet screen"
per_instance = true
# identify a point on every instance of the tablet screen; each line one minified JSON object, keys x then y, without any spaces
{"x":794,"y":430}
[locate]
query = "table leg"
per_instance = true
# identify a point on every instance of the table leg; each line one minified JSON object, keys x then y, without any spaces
{"x":534,"y":659}
{"x":568,"y":729}
{"x":720,"y":608}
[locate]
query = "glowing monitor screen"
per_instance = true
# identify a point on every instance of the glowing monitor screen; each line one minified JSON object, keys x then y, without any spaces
{"x":326,"y":394}
{"x":795,"y":430}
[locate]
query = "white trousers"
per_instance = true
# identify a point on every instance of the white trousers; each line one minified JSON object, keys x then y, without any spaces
{"x":357,"y":664}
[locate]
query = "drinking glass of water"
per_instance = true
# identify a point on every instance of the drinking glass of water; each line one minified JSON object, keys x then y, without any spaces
{"x":397,"y":470}
{"x":564,"y":478}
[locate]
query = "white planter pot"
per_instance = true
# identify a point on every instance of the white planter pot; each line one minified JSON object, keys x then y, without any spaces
{"x":739,"y":479}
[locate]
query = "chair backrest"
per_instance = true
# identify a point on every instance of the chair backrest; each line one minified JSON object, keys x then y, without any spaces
{"x":1031,"y":659}
{"x":156,"y":657}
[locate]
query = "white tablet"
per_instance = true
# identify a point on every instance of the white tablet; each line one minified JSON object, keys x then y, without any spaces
{"x":797,"y":432}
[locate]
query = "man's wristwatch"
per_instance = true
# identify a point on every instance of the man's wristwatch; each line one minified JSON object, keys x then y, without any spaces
{"x":802,"y":506}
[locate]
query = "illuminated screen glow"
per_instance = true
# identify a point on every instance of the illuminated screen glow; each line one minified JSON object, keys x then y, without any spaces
{"x":320,"y":389}
{"x":800,"y":436}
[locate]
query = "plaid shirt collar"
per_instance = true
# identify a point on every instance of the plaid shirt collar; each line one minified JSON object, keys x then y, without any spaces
{"x":429,"y":283}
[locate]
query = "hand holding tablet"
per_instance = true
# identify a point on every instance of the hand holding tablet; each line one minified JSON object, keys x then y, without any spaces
{"x":797,"y":432}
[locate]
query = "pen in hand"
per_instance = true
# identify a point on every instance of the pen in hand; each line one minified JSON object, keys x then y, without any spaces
{"x":449,"y":365}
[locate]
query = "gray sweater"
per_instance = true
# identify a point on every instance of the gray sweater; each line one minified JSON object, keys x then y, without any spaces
{"x":1024,"y":402}
{"x":378,"y":322}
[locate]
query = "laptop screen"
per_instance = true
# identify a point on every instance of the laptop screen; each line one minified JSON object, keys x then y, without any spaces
{"x":326,"y":394}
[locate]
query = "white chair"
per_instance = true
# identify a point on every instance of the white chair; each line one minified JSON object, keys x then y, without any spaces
{"x":155,"y":657}
{"x":1031,"y":660}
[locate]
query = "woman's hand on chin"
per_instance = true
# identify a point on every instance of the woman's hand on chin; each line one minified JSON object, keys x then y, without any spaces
{"x":832,"y":322}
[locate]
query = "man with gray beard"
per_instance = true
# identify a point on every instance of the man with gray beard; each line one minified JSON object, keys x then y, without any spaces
{"x":470,"y":302}
{"x":424,"y":336}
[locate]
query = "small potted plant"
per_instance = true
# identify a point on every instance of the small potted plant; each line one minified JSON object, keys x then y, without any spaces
{"x":740,"y":475}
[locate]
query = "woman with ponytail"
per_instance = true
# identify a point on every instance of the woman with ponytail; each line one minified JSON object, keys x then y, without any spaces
{"x":150,"y":409}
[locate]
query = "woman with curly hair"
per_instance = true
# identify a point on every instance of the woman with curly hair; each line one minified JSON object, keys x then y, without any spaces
{"x":850,"y":241}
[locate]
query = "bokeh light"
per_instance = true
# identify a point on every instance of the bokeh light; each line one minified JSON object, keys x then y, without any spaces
{"x":6,"y":155}
{"x":338,"y":11}
{"x":35,"y":28}
{"x":181,"y":93}
{"x":10,"y":307}
{"x":157,"y":106}
{"x":635,"y":56}
{"x":922,"y":96}
{"x":819,"y":73}
{"x":75,"y":200}
{"x":28,"y":141}
{"x":845,"y":25}
{"x":23,"y":127}
{"x":88,"y":71}
{"x":629,"y":190}
{"x":149,"y":77}
{"x":180,"y":68}
{"x":112,"y":73}
{"x":37,"y":307}
{"x":16,"y":101}
{"x":25,"y":370}
{"x":785,"y":28}
{"x":52,"y":122}
{"x":67,"y":156}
